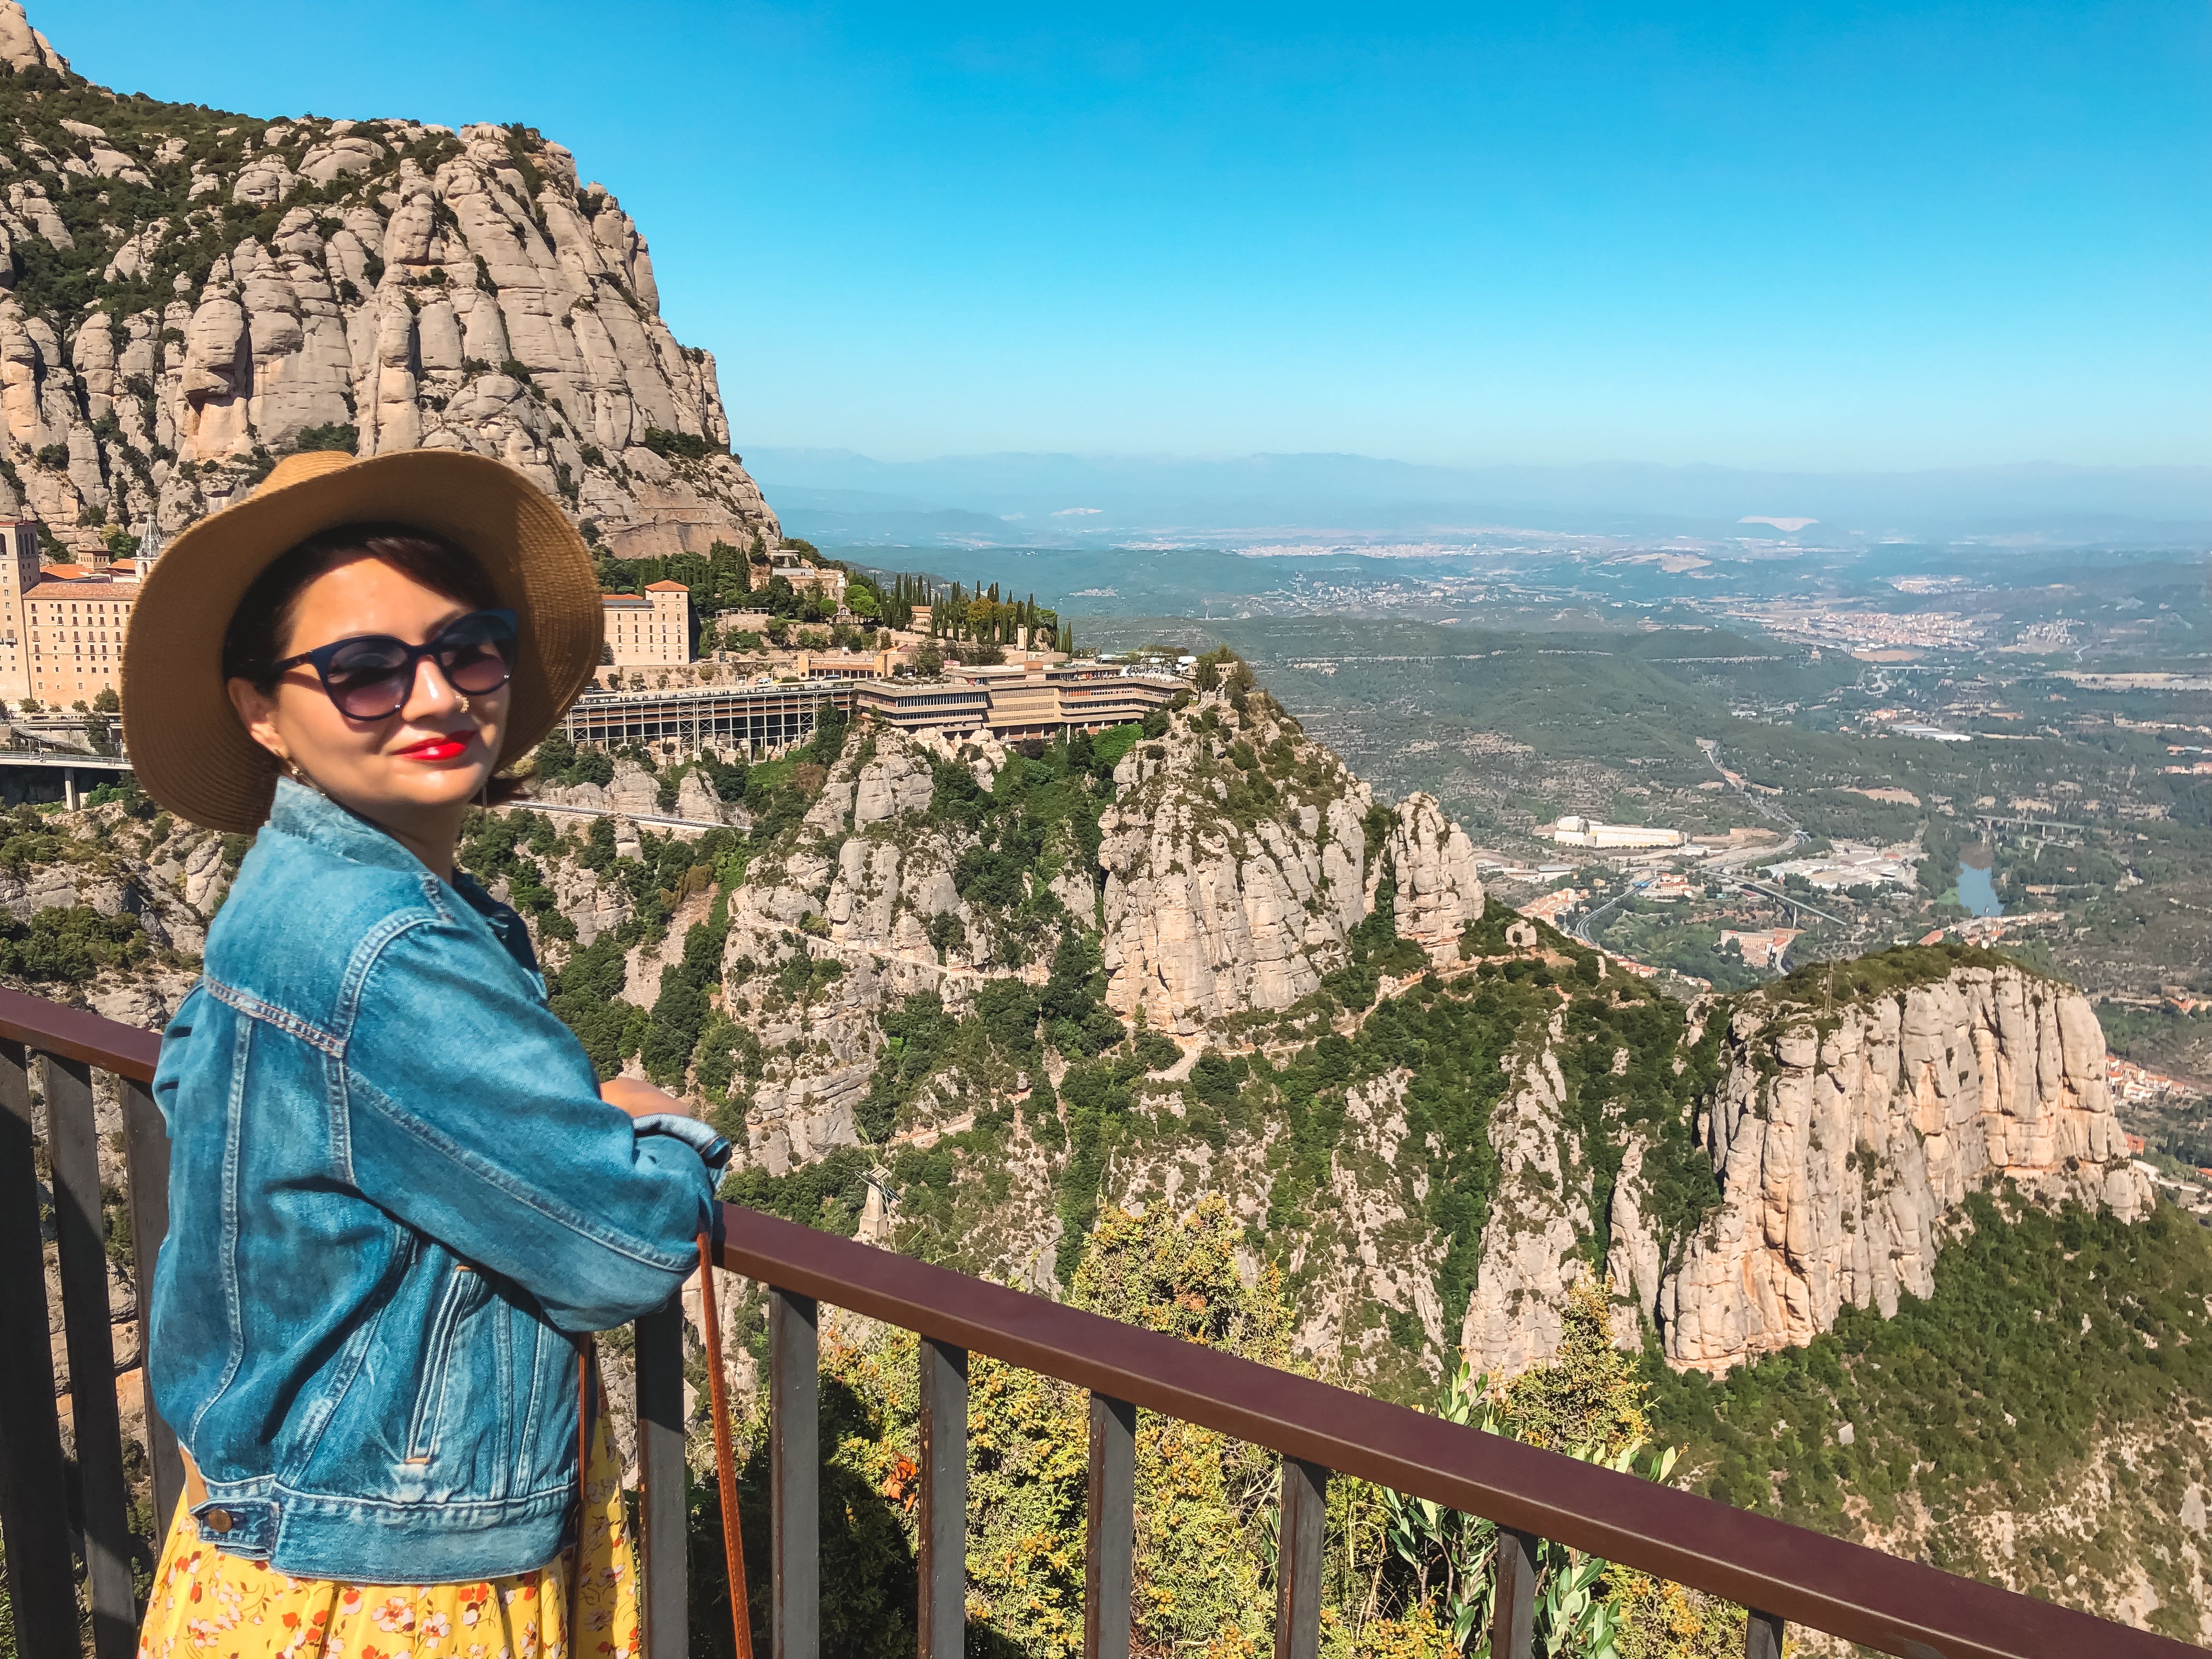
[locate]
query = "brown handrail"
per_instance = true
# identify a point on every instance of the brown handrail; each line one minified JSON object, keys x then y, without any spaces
{"x":79,"y":1034}
{"x":1846,"y":1589}
{"x":1896,"y":1605}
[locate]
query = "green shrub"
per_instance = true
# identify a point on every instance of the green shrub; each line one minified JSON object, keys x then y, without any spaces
{"x":70,"y":946}
{"x":827,"y":1194}
{"x":1156,"y":1052}
{"x":676,"y":445}
{"x":335,"y":435}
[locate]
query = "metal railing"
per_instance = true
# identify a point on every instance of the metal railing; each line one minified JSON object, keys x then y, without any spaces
{"x":1788,"y":1574}
{"x":64,"y":1045}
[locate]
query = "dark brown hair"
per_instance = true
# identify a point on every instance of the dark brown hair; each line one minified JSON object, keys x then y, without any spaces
{"x":261,"y":627}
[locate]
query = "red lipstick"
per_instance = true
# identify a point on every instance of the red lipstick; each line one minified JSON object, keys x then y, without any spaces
{"x":450,"y":747}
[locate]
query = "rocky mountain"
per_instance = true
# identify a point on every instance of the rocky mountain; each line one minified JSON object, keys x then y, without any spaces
{"x":978,"y":991}
{"x":958,"y":997}
{"x":1845,"y":1140}
{"x":190,"y":294}
{"x":1241,"y":858}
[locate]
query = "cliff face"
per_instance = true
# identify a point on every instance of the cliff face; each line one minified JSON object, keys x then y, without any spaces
{"x":380,"y":284}
{"x":1203,"y":918}
{"x":1535,"y":1249}
{"x":845,"y":906}
{"x":1742,"y":1174}
{"x":1844,"y":1139}
{"x":1239,"y":857}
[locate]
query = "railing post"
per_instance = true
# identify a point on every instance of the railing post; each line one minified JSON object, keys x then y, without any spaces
{"x":794,"y":1474}
{"x":146,"y":1154}
{"x":82,"y":1229}
{"x":1110,"y":1541}
{"x":1513,"y":1606}
{"x":41,"y":1580}
{"x":1762,"y":1635}
{"x":1298,"y":1532}
{"x":660,"y":1465}
{"x":943,"y":1610}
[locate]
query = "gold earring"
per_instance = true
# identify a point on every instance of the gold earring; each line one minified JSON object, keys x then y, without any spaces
{"x":467,"y":704}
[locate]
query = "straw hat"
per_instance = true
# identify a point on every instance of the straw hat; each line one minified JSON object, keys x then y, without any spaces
{"x":186,"y":746}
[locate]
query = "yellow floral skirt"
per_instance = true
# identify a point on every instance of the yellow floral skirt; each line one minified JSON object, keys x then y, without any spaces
{"x":207,"y":1605}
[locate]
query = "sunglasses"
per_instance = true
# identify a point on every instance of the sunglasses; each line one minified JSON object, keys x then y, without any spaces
{"x":371,"y":676}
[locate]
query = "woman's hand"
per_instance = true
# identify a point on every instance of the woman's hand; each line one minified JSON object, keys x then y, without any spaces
{"x":639,"y":1098}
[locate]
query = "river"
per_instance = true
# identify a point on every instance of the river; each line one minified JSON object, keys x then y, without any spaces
{"x":1978,"y":890}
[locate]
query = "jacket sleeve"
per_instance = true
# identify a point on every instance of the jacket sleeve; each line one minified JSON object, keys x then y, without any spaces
{"x":473,"y":1116}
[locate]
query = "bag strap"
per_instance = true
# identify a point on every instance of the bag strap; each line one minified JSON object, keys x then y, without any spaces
{"x":588,"y":1367}
{"x":733,"y":1541}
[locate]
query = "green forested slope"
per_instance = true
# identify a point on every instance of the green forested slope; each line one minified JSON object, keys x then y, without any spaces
{"x":2042,"y":1418}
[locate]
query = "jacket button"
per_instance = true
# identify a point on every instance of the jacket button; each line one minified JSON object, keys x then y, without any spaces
{"x":218,"y":1521}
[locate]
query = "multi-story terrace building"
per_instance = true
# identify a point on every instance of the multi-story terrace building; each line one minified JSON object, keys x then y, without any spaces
{"x":758,"y":719}
{"x":1030,"y":700}
{"x":1010,"y":703}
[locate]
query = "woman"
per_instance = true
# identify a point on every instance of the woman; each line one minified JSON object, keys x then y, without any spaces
{"x":399,"y":1200}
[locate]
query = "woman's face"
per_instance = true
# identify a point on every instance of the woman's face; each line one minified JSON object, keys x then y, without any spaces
{"x":414,"y":771}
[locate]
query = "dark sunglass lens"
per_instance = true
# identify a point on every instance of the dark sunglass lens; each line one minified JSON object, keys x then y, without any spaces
{"x":365,"y":677}
{"x":368,"y":694}
{"x":477,"y":653}
{"x":475,"y":669}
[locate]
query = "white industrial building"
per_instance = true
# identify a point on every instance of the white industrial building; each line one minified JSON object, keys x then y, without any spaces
{"x":1588,"y":832}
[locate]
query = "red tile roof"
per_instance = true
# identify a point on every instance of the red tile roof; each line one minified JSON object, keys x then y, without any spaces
{"x":82,"y":587}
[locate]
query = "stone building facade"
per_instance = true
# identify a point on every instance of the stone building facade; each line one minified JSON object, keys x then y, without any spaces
{"x":652,"y":629}
{"x":61,"y":625}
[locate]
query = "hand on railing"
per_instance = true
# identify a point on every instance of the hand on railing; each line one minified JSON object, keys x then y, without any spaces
{"x":640,"y":1099}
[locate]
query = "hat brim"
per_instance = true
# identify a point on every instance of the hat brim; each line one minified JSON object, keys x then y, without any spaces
{"x":187,"y":747}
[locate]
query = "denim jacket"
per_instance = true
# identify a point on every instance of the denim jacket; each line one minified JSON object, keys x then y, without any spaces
{"x":395,"y":1196}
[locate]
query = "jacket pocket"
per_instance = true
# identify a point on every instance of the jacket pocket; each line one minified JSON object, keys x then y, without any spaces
{"x":465,"y":1291}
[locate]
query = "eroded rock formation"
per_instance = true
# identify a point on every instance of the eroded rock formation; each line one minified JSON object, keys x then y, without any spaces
{"x":1240,"y":855}
{"x":380,"y":284}
{"x":849,"y":903}
{"x":1844,"y":1141}
{"x":1534,"y":1248}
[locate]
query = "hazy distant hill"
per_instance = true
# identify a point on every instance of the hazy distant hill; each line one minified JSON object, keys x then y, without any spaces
{"x":867,"y":517}
{"x":1057,"y":499}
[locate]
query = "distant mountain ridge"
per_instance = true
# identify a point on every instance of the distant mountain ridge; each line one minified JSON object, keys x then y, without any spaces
{"x":1031,"y":495}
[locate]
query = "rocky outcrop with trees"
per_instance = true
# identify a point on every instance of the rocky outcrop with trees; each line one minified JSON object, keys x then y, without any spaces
{"x":186,"y":294}
{"x":1241,"y":860}
{"x":1857,"y":1110}
{"x":965,"y":993}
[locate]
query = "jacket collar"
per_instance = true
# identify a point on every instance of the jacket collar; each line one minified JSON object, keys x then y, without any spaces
{"x":310,"y":816}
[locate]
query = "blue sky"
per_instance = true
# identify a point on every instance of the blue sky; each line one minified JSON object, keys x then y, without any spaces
{"x":1825,"y":236}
